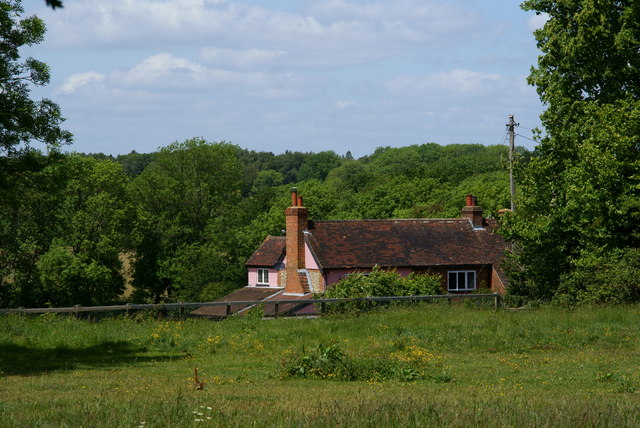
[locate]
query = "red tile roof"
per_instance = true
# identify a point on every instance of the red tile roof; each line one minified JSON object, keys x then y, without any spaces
{"x":269,"y":252}
{"x":402,"y":243}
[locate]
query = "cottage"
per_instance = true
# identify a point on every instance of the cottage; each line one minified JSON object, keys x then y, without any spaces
{"x":314,"y":254}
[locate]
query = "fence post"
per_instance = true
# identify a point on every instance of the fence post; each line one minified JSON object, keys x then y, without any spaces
{"x":228,"y":308}
{"x":127,"y":310}
{"x":276,"y":309}
{"x":498,"y":302}
{"x":323,"y":307}
{"x":181,"y":310}
{"x":77,"y":311}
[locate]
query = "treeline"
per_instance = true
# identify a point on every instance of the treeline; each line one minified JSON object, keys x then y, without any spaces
{"x":179,"y":224}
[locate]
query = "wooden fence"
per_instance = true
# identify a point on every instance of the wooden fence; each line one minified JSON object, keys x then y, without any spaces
{"x":182,"y":306}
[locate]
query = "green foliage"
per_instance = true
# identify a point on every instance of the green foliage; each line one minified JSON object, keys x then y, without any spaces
{"x":22,"y":119}
{"x":603,"y":278}
{"x":134,"y":163}
{"x":318,"y":165}
{"x":331,"y":362}
{"x":63,"y":228}
{"x":380,"y":282}
{"x":68,"y":279}
{"x":580,"y":196}
{"x":189,"y":215}
{"x":187,"y":199}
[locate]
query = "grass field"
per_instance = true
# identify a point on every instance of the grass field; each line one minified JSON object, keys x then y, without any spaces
{"x":455,"y":366}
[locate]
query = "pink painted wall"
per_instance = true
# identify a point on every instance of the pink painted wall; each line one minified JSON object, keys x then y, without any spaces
{"x":309,"y":260}
{"x":252,"y":274}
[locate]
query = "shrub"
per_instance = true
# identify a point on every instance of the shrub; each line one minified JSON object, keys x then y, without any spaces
{"x":602,"y":278}
{"x":380,"y":283}
{"x":332,"y":362}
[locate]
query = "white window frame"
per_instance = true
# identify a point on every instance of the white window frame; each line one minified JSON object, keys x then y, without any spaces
{"x":263,"y":276}
{"x":458,"y":274}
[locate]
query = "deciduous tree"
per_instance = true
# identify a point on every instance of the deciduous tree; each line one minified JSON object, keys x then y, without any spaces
{"x":23,"y":120}
{"x":580,"y":197}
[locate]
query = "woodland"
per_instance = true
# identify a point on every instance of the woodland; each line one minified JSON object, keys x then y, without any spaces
{"x":179,"y":223}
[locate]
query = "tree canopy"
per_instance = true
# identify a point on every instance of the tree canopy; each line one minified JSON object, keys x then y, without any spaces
{"x":579,"y":199}
{"x":23,"y":120}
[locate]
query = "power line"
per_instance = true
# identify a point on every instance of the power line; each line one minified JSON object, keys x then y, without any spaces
{"x":504,"y":137}
{"x":526,"y":138}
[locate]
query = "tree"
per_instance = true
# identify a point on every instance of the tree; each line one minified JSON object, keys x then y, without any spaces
{"x":187,"y":200}
{"x":580,"y":198}
{"x":21,"y":119}
{"x":63,"y":227}
{"x":318,"y":165}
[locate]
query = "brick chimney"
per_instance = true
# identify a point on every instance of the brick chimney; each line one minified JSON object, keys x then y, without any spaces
{"x":472,"y":211}
{"x":296,"y":219}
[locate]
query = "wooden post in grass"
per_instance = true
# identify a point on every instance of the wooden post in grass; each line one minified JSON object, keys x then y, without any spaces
{"x":228,"y":308}
{"x":276,"y":309}
{"x":181,"y":309}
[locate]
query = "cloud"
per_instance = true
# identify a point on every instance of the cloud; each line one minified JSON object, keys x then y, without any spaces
{"x":342,"y":105}
{"x":241,"y":58}
{"x":78,"y":80}
{"x":455,"y":82}
{"x":336,"y":32}
{"x":161,"y":69}
{"x":165,"y":73}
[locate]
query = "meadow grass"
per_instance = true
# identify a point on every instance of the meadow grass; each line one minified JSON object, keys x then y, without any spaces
{"x":479,"y":367}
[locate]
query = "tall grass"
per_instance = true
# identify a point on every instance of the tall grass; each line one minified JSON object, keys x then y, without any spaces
{"x":547,"y":367}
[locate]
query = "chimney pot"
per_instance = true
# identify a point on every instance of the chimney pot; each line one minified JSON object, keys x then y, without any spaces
{"x":473,"y":212}
{"x":294,"y":197}
{"x":300,"y":203}
{"x":470,"y":200}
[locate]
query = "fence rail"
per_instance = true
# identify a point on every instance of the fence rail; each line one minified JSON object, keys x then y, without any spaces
{"x":182,"y":306}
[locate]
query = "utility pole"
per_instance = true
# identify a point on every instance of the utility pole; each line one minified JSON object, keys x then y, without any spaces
{"x":512,"y":136}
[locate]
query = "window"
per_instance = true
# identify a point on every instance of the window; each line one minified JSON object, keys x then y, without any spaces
{"x":263,"y":276}
{"x":462,"y":280}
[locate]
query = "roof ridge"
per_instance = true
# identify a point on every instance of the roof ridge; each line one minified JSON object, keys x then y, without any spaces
{"x":381,"y":220}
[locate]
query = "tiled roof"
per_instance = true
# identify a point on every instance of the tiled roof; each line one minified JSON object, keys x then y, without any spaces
{"x":405,"y":242}
{"x":269,"y":252}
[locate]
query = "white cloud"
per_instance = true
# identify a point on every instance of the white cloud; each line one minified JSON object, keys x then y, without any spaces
{"x":328,"y":33}
{"x":341,"y":104}
{"x":455,"y":82}
{"x":77,"y":80}
{"x":165,"y":73}
{"x":161,"y":69}
{"x":241,"y":58}
{"x":537,"y":21}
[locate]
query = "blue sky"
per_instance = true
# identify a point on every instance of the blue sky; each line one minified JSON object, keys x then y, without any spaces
{"x":342,"y":75}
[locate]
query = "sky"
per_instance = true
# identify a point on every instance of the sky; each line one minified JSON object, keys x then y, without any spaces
{"x":299,"y":75}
